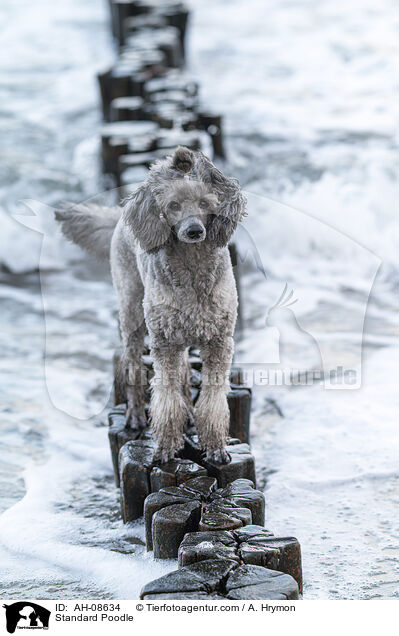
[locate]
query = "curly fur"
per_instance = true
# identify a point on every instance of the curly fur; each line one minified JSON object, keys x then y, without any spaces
{"x":172,"y":273}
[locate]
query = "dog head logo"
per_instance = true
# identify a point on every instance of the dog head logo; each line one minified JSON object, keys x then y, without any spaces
{"x":292,"y":337}
{"x":26,"y":615}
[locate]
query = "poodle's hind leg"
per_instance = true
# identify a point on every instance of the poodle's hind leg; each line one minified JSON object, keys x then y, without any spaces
{"x":212,"y":415}
{"x":133,"y":375}
{"x":130,"y":291}
{"x":169,"y":410}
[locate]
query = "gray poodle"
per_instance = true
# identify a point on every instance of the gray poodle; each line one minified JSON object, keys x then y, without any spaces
{"x":172,"y":273}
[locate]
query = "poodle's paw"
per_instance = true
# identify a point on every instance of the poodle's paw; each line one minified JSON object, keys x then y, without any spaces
{"x":135,"y":421}
{"x":183,"y":159}
{"x":219,"y":456}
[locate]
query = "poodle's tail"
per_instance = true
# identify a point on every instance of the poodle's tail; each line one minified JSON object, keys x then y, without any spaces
{"x":89,"y":226}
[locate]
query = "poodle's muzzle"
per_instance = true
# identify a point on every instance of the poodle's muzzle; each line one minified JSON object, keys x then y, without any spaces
{"x":190,"y":230}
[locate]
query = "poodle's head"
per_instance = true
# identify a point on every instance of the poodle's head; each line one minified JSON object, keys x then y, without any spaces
{"x":186,"y":207}
{"x":184,"y":198}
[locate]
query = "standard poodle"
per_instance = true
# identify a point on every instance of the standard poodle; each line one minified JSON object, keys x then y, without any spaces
{"x":173,"y":276}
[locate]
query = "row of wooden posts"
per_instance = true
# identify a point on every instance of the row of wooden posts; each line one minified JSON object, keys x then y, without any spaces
{"x":209,"y":517}
{"x":150,"y":103}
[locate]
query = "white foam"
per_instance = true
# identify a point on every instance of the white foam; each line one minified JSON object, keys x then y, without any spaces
{"x":40,"y":541}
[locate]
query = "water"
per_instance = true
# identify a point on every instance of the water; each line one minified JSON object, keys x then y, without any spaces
{"x":310,"y":93}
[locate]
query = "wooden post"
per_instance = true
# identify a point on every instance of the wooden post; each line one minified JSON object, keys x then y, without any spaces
{"x":118,"y":435}
{"x":239,"y":401}
{"x":170,"y":524}
{"x":212,"y":123}
{"x":135,"y":462}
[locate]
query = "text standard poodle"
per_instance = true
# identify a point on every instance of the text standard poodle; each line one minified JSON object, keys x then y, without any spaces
{"x":172,"y":273}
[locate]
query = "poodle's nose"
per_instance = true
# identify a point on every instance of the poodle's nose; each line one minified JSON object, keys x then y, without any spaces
{"x":194,"y":232}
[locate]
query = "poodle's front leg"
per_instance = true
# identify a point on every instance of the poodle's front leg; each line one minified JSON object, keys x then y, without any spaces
{"x":212,"y":411}
{"x":168,"y":405}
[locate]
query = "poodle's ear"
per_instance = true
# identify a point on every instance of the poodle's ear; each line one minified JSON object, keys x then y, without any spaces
{"x":142,"y":214}
{"x":231,"y":202}
{"x":222,"y":225}
{"x":231,"y":209}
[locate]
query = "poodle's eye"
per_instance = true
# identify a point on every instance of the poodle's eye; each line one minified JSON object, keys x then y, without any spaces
{"x":203,"y":204}
{"x":174,"y":205}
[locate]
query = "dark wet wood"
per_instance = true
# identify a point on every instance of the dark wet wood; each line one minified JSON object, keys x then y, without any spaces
{"x":230,"y":509}
{"x":202,"y":546}
{"x":250,"y":532}
{"x":243,"y":493}
{"x":239,"y":401}
{"x":135,"y":463}
{"x":241,"y":465}
{"x":212,"y":123}
{"x":225,"y":578}
{"x":200,"y":486}
{"x":205,"y":577}
{"x":159,"y":500}
{"x":118,"y":435}
{"x":115,"y":138}
{"x":126,"y":108}
{"x":215,"y":520}
{"x":174,"y":473}
{"x":170,"y":524}
{"x":257,"y":583}
{"x":277,"y":553}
